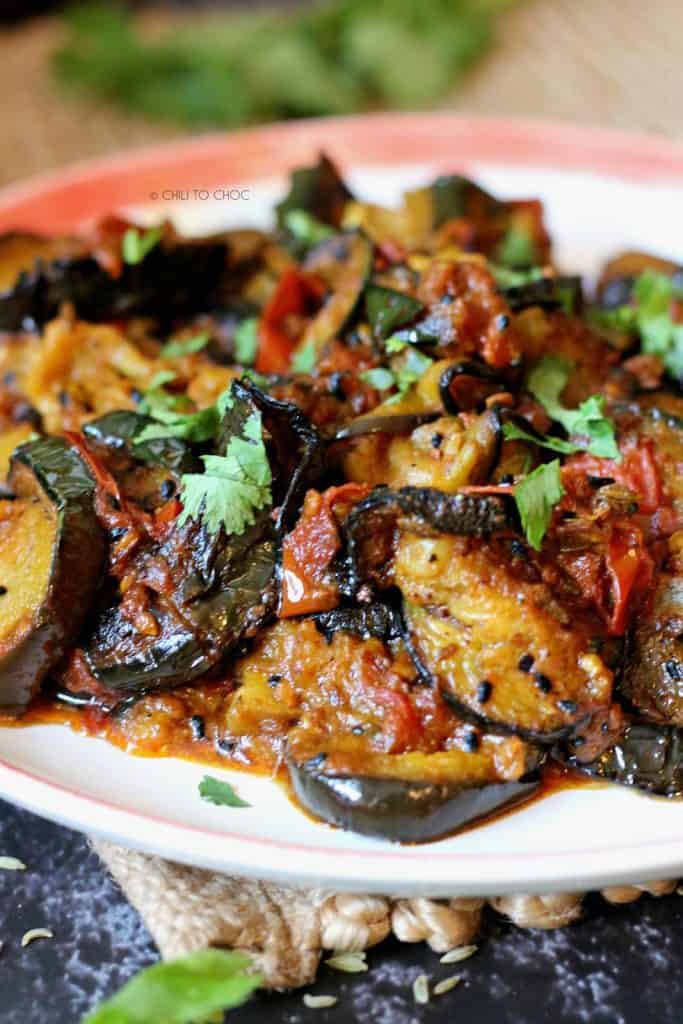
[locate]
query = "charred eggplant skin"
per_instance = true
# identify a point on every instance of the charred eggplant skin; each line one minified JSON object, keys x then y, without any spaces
{"x":52,"y":471}
{"x":226,"y":586}
{"x":178,"y":279}
{"x":403,"y":812}
{"x":647,"y":757}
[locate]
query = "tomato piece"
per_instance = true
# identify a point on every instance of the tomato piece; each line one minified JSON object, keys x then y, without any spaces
{"x":297,"y":295}
{"x":630,"y":568}
{"x":310,"y":548}
{"x":637,"y":471}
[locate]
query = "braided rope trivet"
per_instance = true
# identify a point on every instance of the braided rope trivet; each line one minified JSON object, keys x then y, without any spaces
{"x":286,"y":930}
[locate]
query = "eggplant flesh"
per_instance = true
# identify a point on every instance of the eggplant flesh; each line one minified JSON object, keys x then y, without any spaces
{"x":472,"y":620}
{"x":371,"y":525}
{"x":647,"y":757}
{"x":404,"y":811}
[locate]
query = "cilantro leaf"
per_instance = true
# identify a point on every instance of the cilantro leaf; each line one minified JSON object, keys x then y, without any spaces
{"x":215,"y":791}
{"x":157,"y":401}
{"x":304,"y":358}
{"x":233,"y":487}
{"x":650,"y":317}
{"x":536,"y":496}
{"x":415,"y":364}
{"x":183,"y":991}
{"x":306,"y":228}
{"x":135,"y":246}
{"x":246,"y":341}
{"x":194,"y":426}
{"x":508,"y":278}
{"x":591,"y":429}
{"x":177,"y":347}
{"x":513,"y":432}
{"x":381,"y":378}
{"x":517,"y":248}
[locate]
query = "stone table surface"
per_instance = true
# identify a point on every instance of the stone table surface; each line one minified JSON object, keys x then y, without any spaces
{"x":621,"y":965}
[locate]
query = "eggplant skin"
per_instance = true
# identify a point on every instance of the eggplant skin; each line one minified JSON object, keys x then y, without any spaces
{"x":647,"y":757}
{"x":49,"y":473}
{"x":653,"y":679}
{"x":403,"y":812}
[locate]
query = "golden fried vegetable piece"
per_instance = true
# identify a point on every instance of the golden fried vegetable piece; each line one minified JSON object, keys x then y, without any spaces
{"x":500,"y":646}
{"x":444,"y":454}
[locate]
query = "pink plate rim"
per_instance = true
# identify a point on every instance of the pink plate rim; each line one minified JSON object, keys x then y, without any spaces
{"x":64,"y":199}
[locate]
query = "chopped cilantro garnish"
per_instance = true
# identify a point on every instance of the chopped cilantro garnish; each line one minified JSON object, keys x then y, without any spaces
{"x":381,"y":378}
{"x":246,"y":341}
{"x":193,"y":426}
{"x":157,"y":401}
{"x":135,"y":245}
{"x":177,"y":347}
{"x":183,"y":991}
{"x":512,"y":432}
{"x":650,"y":317}
{"x":304,"y":358}
{"x":508,"y":278}
{"x":517,"y":249}
{"x":536,"y":496}
{"x":214,"y":791}
{"x":591,"y":430}
{"x":233,"y":487}
{"x":306,"y":228}
{"x":414,"y":365}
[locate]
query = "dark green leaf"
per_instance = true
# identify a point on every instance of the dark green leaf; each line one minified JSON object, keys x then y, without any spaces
{"x":184,"y":991}
{"x":387,"y":309}
{"x":214,"y":791}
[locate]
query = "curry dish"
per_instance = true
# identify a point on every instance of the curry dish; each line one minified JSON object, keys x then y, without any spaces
{"x":380,"y":502}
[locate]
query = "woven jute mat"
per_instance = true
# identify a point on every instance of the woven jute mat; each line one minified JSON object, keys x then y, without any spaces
{"x":615,"y":63}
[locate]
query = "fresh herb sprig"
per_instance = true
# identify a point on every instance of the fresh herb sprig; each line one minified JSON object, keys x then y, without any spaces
{"x":590,"y":429}
{"x":650,"y":317}
{"x":536,"y":496}
{"x":264,"y":65}
{"x":189,"y":990}
{"x":233,"y":487}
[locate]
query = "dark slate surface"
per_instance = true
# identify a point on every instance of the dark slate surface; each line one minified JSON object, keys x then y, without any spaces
{"x":621,"y":965}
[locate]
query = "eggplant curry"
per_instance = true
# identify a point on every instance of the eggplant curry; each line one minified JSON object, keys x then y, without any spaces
{"x":378,"y":502}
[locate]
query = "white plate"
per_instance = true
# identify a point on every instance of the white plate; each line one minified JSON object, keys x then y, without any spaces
{"x":573,"y":839}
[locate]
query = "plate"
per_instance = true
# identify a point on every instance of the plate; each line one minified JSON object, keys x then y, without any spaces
{"x":602,"y":192}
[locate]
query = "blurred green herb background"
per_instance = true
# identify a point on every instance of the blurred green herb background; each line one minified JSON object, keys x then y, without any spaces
{"x":265,"y":65}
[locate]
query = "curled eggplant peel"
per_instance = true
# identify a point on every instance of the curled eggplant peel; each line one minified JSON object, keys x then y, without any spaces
{"x":172,"y":280}
{"x":224,"y":587}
